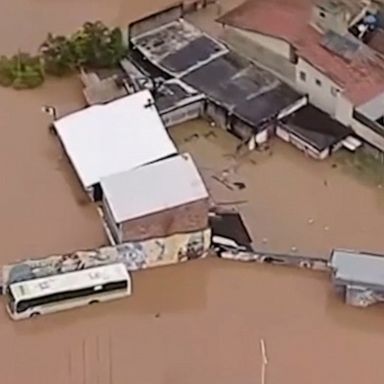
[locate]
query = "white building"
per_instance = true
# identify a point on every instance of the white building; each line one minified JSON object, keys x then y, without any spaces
{"x":103,"y":140}
{"x":156,"y":200}
{"x":310,"y":45}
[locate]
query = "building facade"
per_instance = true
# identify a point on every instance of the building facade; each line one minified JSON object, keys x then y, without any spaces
{"x":312,"y":50}
{"x":157,"y":200}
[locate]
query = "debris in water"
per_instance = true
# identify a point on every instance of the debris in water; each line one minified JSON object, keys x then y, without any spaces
{"x":192,"y":137}
{"x":210,"y":134}
{"x":239,"y":185}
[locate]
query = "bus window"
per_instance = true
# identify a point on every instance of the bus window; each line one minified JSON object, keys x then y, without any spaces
{"x":22,"y":306}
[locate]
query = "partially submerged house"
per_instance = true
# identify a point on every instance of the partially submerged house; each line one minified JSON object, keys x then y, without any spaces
{"x":358,"y":276}
{"x":156,"y":201}
{"x":315,"y":132}
{"x":175,"y":100}
{"x":320,"y":49}
{"x":103,"y":140}
{"x":240,"y":97}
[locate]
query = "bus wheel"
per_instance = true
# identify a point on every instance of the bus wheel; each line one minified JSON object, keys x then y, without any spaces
{"x":93,"y":302}
{"x":34,"y":314}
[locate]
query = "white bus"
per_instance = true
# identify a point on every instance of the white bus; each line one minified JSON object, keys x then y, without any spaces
{"x":68,"y":290}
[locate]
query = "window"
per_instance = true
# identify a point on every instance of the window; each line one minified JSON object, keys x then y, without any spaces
{"x":23,"y":305}
{"x":334,"y":91}
{"x":303,"y":76}
{"x":318,"y":82}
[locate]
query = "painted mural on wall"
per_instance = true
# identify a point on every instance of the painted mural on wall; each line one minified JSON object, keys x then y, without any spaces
{"x":135,"y":255}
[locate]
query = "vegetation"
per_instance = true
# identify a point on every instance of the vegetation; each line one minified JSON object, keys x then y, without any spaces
{"x":21,"y":71}
{"x":93,"y":46}
{"x":364,"y":166}
{"x":58,"y":55}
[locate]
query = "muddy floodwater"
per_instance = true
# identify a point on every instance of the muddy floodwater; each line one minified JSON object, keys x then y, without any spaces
{"x":199,"y":322}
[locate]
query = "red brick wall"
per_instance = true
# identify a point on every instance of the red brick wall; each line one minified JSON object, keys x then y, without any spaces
{"x":183,"y":219}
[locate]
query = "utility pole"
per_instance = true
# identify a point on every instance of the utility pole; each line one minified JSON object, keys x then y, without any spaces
{"x":264,"y":361}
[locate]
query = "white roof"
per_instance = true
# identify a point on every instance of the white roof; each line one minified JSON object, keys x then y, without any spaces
{"x":69,"y":281}
{"x":153,"y":188}
{"x":105,"y":139}
{"x":358,"y":267}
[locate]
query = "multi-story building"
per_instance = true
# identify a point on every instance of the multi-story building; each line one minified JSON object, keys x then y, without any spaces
{"x":327,"y":49}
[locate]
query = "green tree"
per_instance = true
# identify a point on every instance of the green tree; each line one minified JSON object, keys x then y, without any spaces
{"x":96,"y":46}
{"x":6,"y":73}
{"x":58,"y":55}
{"x":27,"y":71}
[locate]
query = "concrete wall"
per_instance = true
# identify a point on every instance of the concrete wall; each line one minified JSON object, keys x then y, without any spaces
{"x":154,"y":21}
{"x":324,"y":20}
{"x":240,"y":129}
{"x":271,"y":53}
{"x":368,"y":135}
{"x":114,"y":228}
{"x":134,"y":255}
{"x":217,"y":114}
{"x":182,"y":114}
{"x":345,"y":115}
{"x":322,"y":91}
{"x":288,"y":137}
{"x":183,"y":219}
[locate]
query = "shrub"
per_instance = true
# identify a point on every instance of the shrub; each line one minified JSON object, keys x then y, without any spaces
{"x":93,"y":46}
{"x":6,"y":74}
{"x":21,"y":71}
{"x":58,"y":56}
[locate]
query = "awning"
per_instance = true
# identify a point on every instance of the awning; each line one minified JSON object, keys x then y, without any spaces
{"x":352,"y":143}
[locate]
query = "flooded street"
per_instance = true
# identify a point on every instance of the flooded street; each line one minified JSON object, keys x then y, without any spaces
{"x":199,"y":322}
{"x":284,"y":190}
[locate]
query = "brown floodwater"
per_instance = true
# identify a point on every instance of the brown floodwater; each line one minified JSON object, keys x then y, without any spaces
{"x":197,"y":322}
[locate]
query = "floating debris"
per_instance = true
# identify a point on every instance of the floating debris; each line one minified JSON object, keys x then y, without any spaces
{"x":239,"y":185}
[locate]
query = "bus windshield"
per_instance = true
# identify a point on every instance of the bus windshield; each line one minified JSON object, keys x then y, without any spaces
{"x":10,"y":300}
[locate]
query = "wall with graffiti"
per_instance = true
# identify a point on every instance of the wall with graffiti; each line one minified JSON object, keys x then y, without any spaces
{"x":135,"y":255}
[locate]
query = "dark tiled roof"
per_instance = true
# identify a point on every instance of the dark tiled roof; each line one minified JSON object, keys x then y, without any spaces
{"x":315,"y":127}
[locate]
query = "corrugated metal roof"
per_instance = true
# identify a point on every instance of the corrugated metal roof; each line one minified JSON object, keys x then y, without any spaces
{"x":153,"y":188}
{"x":106,"y":139}
{"x":358,"y":268}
